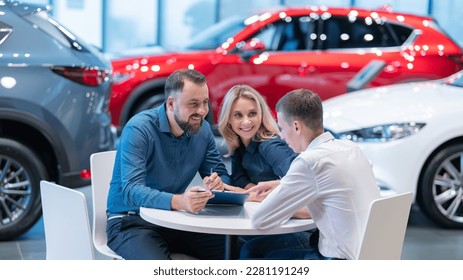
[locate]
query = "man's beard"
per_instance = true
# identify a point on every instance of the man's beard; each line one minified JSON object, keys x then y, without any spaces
{"x":186,"y":126}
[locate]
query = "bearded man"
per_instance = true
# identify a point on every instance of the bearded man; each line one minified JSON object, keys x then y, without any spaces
{"x":159,"y":153}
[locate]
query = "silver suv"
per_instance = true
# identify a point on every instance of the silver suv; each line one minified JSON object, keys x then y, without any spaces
{"x":54,"y":97}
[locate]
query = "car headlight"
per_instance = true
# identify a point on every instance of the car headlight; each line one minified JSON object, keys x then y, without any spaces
{"x":382,"y":133}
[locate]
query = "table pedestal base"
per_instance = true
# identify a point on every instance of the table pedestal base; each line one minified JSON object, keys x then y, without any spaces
{"x":232,"y":247}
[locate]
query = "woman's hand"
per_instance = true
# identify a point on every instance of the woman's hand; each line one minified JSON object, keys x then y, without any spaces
{"x":213,"y":182}
{"x":233,"y":188}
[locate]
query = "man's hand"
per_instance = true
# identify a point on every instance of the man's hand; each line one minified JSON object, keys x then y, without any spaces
{"x":192,"y":200}
{"x":260,"y":191}
{"x":302,"y":213}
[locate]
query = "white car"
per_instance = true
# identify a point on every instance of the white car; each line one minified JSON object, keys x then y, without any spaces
{"x":413,"y":135}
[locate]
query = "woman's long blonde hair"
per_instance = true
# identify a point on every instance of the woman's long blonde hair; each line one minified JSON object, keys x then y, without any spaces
{"x":268,"y":128}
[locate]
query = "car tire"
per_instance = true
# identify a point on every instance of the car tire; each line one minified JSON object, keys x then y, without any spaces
{"x":441,"y":189}
{"x":149,"y":103}
{"x":20,"y":204}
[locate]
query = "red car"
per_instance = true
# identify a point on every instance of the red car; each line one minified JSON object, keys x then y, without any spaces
{"x":321,"y":49}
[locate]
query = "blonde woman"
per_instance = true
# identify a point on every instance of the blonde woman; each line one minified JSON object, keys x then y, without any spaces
{"x":259,"y":157}
{"x":257,"y":153}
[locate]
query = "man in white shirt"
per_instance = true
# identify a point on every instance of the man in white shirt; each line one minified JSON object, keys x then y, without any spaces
{"x":331,"y":178}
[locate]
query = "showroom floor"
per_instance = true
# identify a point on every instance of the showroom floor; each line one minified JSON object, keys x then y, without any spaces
{"x":424,"y":240}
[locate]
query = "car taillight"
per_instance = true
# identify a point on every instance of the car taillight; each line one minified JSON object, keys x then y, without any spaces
{"x":85,"y":174}
{"x":83,"y":75}
{"x":457,"y":58}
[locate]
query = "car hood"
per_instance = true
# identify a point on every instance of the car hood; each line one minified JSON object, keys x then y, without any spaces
{"x":417,"y":102}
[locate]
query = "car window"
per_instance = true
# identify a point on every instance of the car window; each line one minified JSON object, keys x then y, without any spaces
{"x":401,"y":33}
{"x":458,"y":82}
{"x":41,"y":20}
{"x":455,"y":80}
{"x":288,"y":34}
{"x":54,"y":29}
{"x":5,"y":31}
{"x":217,"y":34}
{"x":294,"y":34}
{"x":309,"y":27}
{"x":344,"y":32}
{"x":267,"y":35}
{"x":302,"y":33}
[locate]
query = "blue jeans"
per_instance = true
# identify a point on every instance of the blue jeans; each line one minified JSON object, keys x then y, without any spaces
{"x":265,"y":246}
{"x":136,"y":239}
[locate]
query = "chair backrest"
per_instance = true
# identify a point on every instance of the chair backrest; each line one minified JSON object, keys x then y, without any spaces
{"x":66,"y":223}
{"x":384,"y":231}
{"x":101,"y":168}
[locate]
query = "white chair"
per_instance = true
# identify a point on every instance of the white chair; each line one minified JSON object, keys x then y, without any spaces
{"x":66,"y":223}
{"x":384,"y":231}
{"x":101,"y":169}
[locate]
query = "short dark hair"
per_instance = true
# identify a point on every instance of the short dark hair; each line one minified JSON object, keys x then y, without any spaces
{"x":175,"y":80}
{"x":303,"y":105}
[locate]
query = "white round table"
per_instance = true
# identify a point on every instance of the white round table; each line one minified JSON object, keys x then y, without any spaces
{"x":230,"y":221}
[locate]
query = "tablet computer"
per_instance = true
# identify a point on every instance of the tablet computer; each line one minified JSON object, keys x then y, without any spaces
{"x":227,"y":197}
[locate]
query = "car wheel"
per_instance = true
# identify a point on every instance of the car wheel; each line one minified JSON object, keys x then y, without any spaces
{"x":148,"y":103}
{"x":20,"y":174}
{"x":441,"y":190}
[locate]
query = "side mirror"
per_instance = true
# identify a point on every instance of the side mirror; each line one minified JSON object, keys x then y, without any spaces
{"x":250,"y":48}
{"x":253,"y":45}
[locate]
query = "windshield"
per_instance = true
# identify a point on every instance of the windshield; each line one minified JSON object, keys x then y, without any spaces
{"x":456,"y":80}
{"x":217,"y":34}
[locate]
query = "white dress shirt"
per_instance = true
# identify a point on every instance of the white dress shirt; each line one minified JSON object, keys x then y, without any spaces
{"x":335,"y":181}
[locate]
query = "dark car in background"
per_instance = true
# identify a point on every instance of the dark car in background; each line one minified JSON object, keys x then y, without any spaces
{"x":319,"y":48}
{"x":54,"y":98}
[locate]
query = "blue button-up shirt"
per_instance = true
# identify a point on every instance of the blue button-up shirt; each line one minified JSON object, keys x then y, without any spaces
{"x":152,"y":164}
{"x":261,"y":161}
